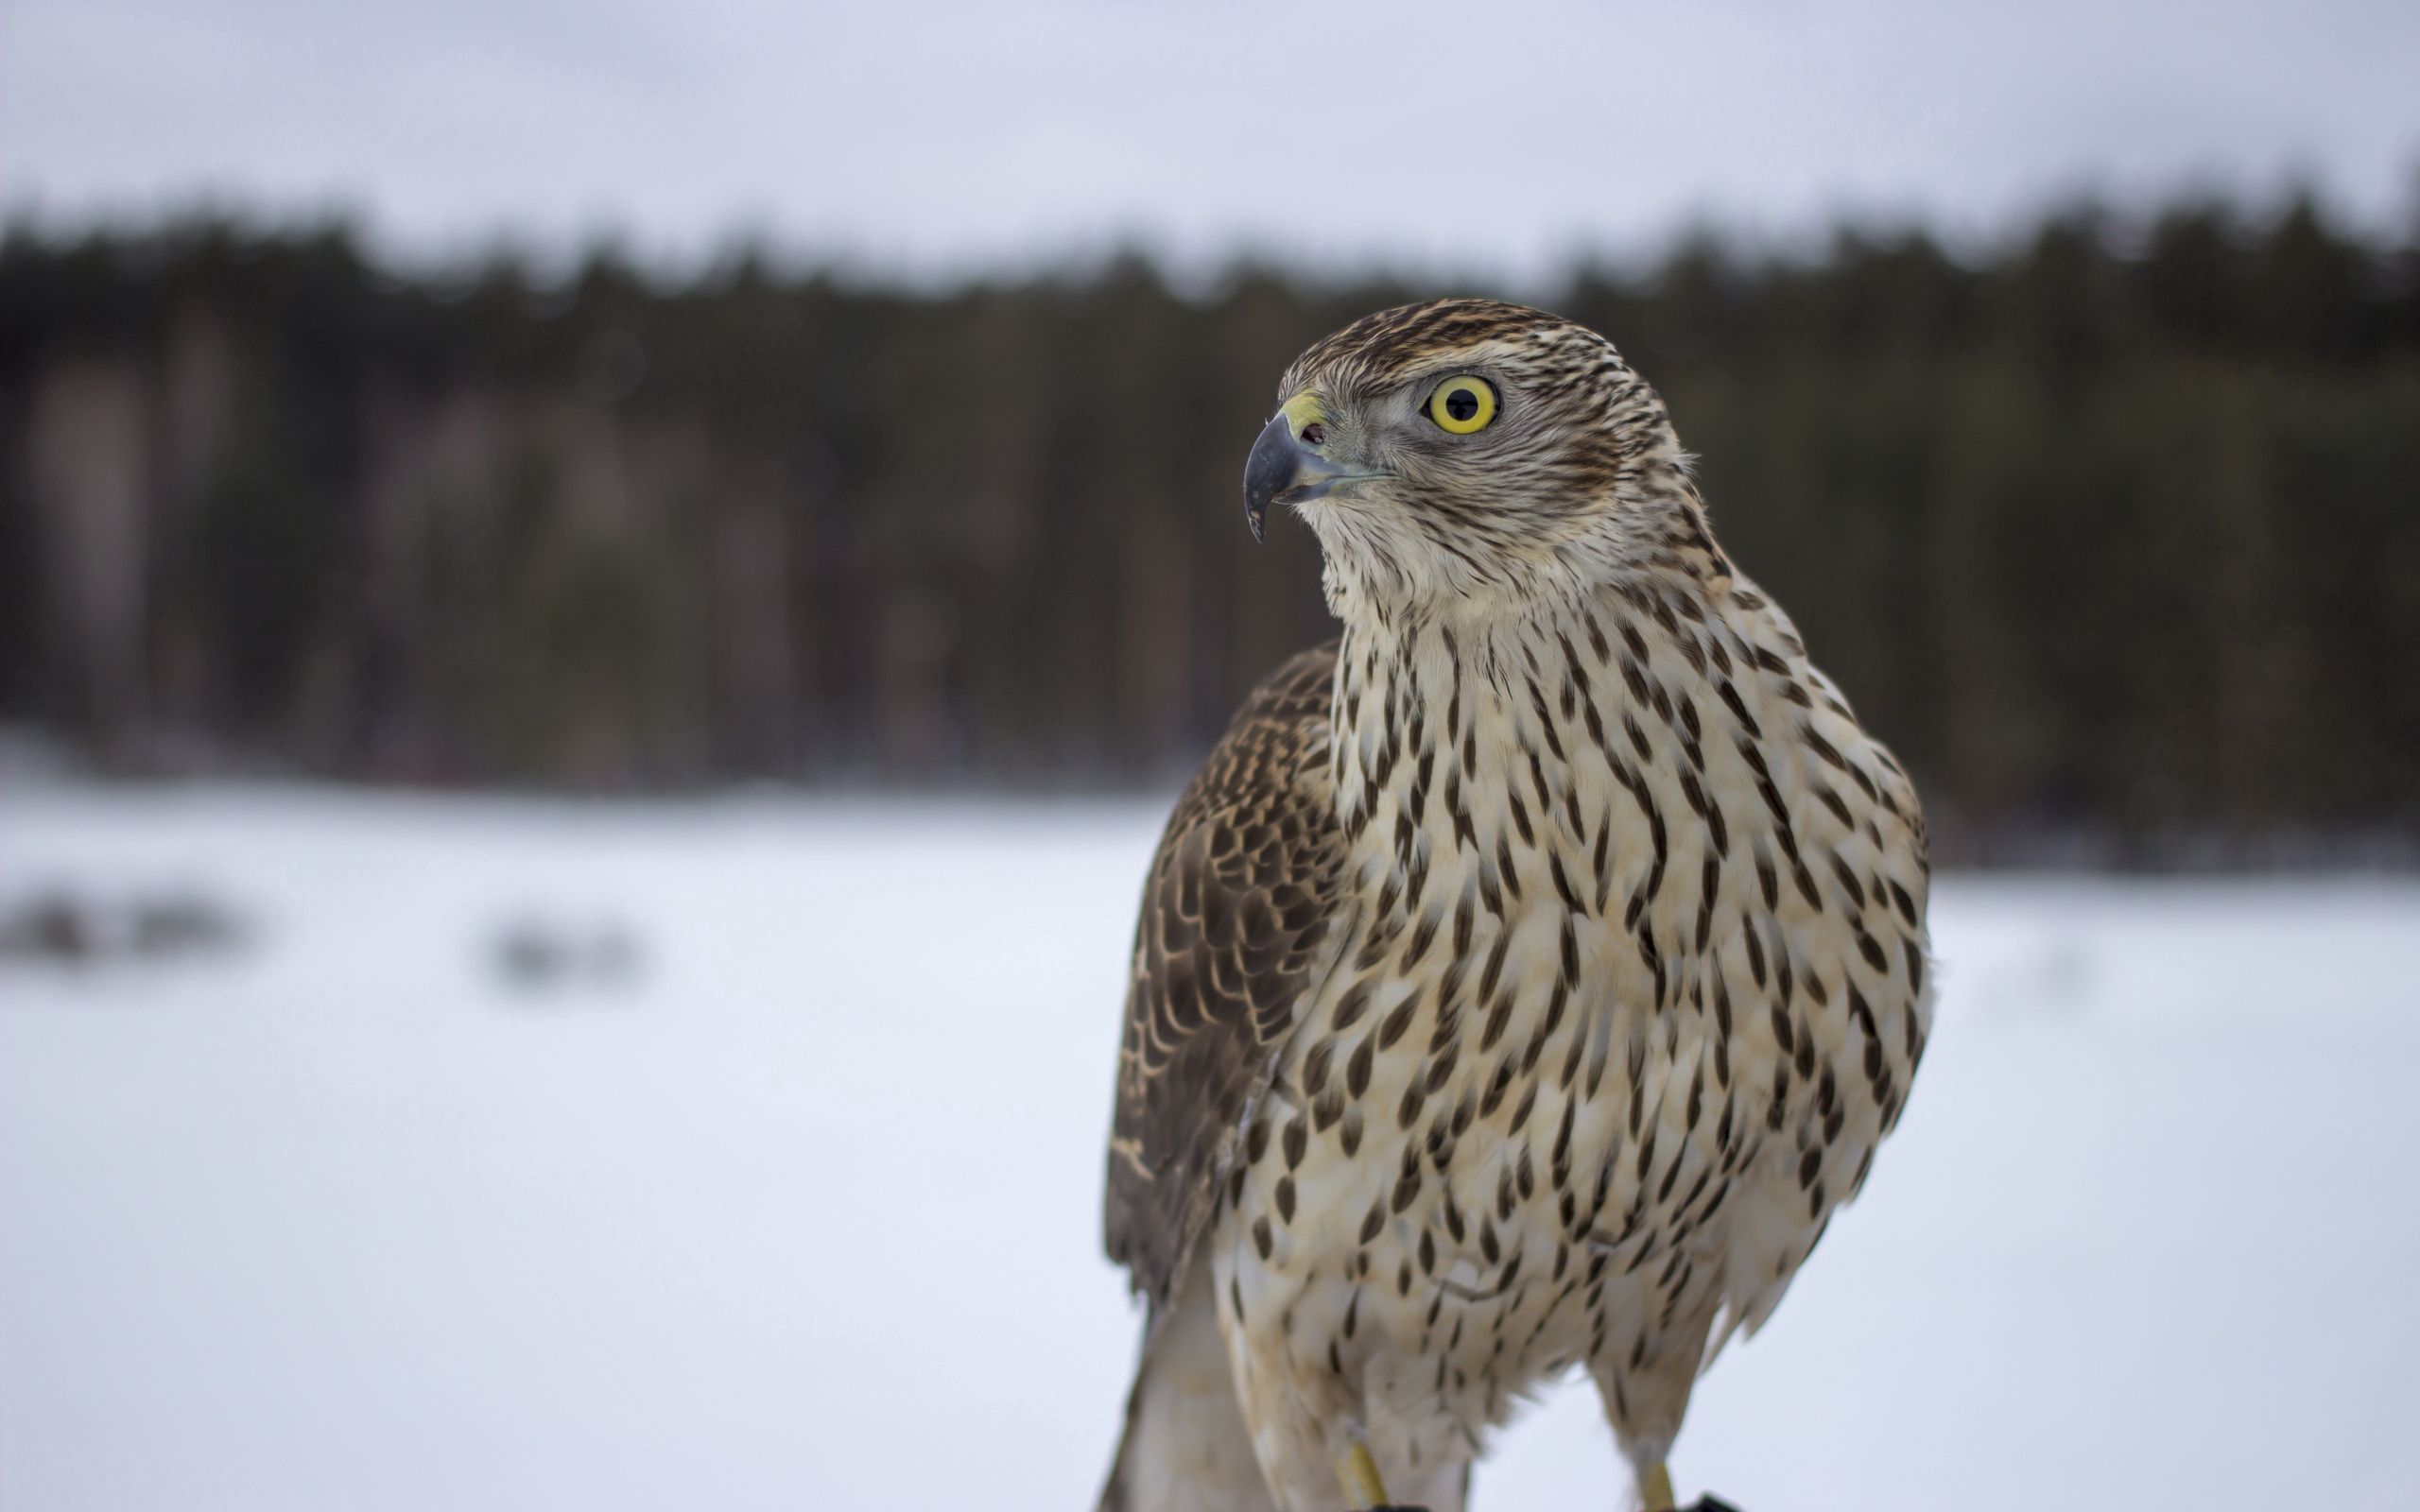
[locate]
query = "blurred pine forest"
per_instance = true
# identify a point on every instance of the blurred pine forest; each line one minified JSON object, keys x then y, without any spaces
{"x":2115,"y":533}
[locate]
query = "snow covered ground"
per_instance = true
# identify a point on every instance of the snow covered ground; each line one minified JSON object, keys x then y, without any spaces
{"x":799,"y":1209}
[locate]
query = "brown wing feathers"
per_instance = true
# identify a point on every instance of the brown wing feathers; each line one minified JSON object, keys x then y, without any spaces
{"x":1233,"y":910}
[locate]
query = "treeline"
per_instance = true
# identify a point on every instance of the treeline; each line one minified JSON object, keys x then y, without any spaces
{"x":2111,"y":532}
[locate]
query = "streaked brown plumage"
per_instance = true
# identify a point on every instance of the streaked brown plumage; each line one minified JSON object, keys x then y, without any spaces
{"x":1527,"y":976}
{"x":1237,"y":902}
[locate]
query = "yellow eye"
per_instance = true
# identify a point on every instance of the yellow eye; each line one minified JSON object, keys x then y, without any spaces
{"x":1463,"y":406}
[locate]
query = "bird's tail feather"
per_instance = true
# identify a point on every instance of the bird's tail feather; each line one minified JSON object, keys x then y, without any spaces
{"x":1185,"y":1448}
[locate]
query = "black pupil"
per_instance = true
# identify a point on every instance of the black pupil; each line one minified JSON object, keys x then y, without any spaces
{"x":1461,"y":403}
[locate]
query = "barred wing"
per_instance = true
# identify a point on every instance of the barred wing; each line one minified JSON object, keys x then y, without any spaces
{"x":1233,"y":912}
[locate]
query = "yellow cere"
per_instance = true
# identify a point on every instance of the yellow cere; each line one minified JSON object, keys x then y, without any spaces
{"x":1463,"y":406}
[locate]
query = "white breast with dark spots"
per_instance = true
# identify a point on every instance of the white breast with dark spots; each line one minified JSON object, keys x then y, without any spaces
{"x":1632,"y":987}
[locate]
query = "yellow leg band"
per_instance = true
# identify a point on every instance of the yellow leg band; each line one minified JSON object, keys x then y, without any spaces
{"x":1359,"y":1473}
{"x":1655,"y":1488}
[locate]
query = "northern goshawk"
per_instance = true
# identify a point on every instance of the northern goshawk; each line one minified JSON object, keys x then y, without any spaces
{"x":1527,"y":976}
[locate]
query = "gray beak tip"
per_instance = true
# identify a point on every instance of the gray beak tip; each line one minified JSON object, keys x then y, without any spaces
{"x":1274,"y":465}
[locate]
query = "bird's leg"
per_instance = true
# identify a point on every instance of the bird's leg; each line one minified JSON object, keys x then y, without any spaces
{"x":1656,"y":1487}
{"x":1359,"y":1473}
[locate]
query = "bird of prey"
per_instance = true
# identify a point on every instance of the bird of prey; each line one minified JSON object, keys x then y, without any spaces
{"x":1527,"y":976}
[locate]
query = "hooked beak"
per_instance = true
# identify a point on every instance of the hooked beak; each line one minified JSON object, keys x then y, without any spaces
{"x":1284,"y":468}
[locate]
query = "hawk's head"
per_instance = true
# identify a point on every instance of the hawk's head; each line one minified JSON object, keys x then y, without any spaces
{"x":1476,"y":451}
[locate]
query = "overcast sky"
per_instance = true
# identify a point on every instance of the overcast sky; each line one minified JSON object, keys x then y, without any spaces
{"x":934,"y":139}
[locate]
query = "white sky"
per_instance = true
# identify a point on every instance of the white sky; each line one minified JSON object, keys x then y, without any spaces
{"x":933,"y":139}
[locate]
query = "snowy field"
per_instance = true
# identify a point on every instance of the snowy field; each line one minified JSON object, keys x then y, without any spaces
{"x":794,"y":1204}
